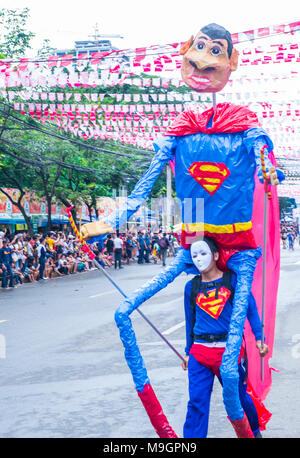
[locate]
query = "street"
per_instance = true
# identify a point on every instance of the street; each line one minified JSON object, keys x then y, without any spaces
{"x":63,"y":371}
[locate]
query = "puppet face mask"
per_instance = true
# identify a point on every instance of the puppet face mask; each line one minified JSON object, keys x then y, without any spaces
{"x":201,"y":255}
{"x":206,"y":66}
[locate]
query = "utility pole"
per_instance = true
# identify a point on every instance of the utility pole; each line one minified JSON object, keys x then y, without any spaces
{"x":98,"y":36}
{"x":169,"y":195}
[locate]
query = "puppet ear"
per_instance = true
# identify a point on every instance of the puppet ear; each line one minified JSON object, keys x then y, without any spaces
{"x":186,"y":46}
{"x":234,"y":60}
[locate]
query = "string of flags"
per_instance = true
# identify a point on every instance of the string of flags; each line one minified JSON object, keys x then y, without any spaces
{"x":132,"y":96}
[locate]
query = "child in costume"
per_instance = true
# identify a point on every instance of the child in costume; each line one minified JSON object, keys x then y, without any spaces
{"x":208,"y":307}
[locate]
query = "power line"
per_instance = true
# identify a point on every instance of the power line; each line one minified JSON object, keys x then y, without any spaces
{"x":132,"y":52}
{"x":76,"y":142}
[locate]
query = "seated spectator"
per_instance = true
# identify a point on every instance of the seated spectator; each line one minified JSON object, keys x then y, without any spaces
{"x":28,"y":270}
{"x":18,"y":275}
{"x":105,"y":259}
{"x":80,"y":264}
{"x":49,"y":267}
{"x":63,"y":265}
{"x":72,"y":263}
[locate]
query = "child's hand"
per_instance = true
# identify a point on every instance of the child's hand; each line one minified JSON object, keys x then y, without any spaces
{"x":263,"y":348}
{"x":184,"y":364}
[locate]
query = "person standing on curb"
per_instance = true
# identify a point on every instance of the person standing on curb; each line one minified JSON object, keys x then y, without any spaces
{"x":42,"y":258}
{"x":118,"y":242}
{"x":141,"y":247}
{"x":6,"y":264}
{"x":163,"y":245}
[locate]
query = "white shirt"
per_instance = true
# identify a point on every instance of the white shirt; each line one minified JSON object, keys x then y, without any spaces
{"x":118,"y":243}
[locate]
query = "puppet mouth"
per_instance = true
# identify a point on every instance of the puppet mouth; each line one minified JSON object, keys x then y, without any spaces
{"x":198,"y":80}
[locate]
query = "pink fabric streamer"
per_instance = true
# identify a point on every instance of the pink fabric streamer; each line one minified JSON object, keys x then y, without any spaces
{"x":262,"y":387}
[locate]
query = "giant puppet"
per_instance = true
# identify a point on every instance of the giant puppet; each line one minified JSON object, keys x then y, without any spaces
{"x":217,"y":157}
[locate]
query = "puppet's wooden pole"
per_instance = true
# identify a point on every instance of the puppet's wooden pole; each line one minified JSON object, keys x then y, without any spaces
{"x":266,"y":197}
{"x":214,"y":98}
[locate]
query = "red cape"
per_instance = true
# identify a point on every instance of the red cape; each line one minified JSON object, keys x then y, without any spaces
{"x":227,"y":118}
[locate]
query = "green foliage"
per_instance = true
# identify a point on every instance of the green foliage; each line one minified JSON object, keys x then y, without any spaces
{"x":46,"y":49}
{"x":286,"y":204}
{"x":15,"y":38}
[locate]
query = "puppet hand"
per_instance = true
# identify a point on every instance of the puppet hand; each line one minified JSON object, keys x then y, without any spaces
{"x":184,"y":364}
{"x":263,"y":348}
{"x":272,"y":176}
{"x":96,"y":228}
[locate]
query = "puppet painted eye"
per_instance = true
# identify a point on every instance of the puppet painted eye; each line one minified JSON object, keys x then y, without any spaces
{"x":200,"y":45}
{"x":215,"y":51}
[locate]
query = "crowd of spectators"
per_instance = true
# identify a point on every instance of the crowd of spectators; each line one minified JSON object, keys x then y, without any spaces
{"x":289,"y":235}
{"x":25,"y":258}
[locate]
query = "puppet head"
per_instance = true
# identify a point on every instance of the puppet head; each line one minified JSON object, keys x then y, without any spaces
{"x":209,"y":59}
{"x":204,"y":254}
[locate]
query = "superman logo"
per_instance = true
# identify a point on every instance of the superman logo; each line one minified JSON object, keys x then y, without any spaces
{"x":212,"y":305}
{"x":210,"y":175}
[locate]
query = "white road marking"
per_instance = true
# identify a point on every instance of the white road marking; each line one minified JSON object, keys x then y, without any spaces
{"x":103,"y":294}
{"x":3,"y":321}
{"x":173,"y":328}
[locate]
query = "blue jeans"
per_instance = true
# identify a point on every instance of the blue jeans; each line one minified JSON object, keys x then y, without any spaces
{"x":163,"y":255}
{"x":141,"y":255}
{"x":42,"y":267}
{"x":4,"y":276}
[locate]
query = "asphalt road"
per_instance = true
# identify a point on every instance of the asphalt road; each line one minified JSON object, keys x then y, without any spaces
{"x":63,"y":373}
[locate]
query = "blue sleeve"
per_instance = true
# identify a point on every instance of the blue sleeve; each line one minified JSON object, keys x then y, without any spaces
{"x":165,"y":148}
{"x":189,"y":319}
{"x":253,"y":318}
{"x":255,"y":140}
{"x":257,"y":148}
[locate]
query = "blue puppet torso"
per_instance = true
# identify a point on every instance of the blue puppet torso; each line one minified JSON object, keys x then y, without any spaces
{"x":227,"y":189}
{"x":218,"y":169}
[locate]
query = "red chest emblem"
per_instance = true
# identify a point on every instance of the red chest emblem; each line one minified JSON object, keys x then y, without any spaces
{"x":210,"y":304}
{"x":210,"y":175}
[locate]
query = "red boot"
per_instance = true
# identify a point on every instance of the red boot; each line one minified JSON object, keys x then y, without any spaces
{"x":242,"y":428}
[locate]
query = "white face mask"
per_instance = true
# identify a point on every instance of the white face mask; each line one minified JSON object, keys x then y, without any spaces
{"x":201,"y":255}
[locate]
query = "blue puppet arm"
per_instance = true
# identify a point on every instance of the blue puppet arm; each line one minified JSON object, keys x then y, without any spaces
{"x":257,"y":149}
{"x":164,"y":148}
{"x":255,"y":139}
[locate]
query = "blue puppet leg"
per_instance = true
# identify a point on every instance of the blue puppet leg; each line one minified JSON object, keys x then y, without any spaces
{"x":243,"y":264}
{"x":134,"y":300}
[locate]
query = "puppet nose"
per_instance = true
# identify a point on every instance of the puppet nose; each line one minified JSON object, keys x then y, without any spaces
{"x":201,"y":64}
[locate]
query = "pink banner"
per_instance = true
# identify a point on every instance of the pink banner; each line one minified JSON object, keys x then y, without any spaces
{"x":262,"y":387}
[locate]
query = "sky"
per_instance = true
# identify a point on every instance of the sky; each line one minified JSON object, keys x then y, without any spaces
{"x":144,"y":23}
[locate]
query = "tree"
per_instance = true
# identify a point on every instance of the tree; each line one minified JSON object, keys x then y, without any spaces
{"x":286,"y":204}
{"x":14,"y":174}
{"x":15,"y":38}
{"x":46,"y":50}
